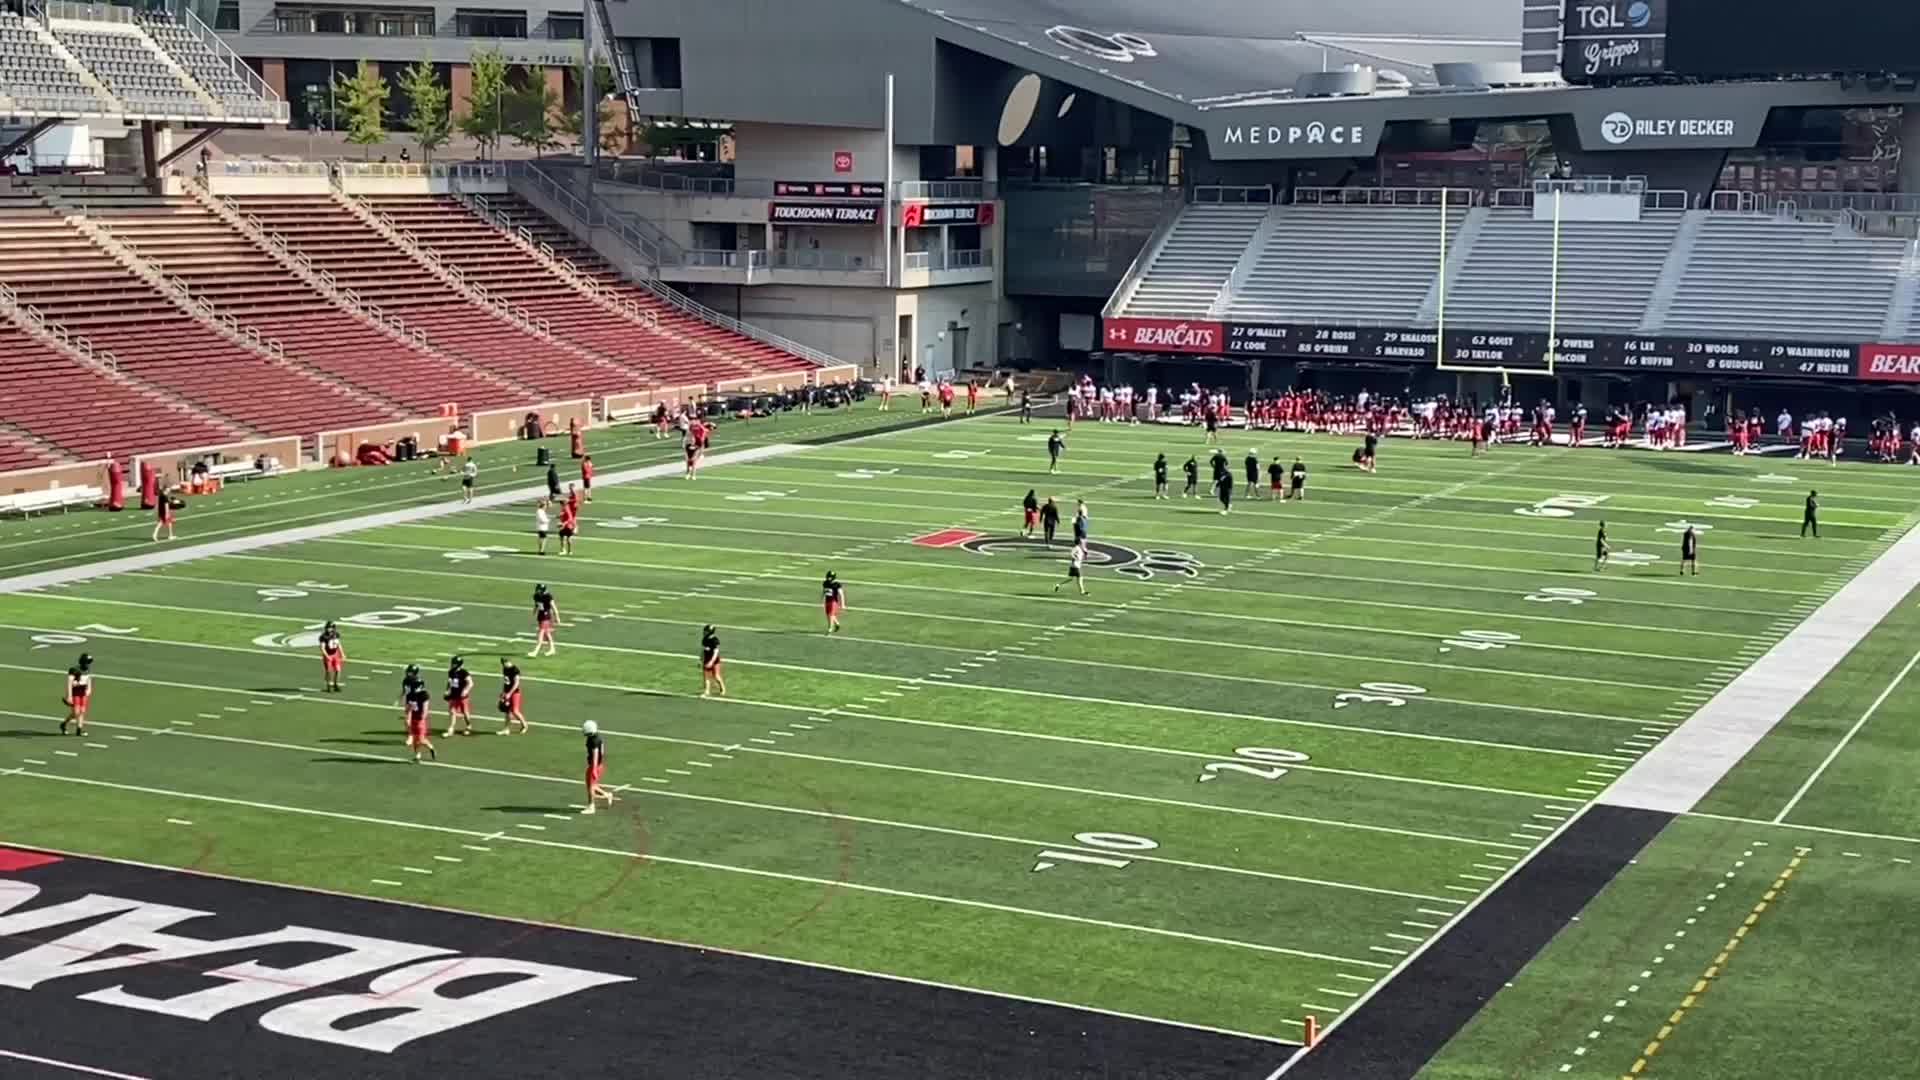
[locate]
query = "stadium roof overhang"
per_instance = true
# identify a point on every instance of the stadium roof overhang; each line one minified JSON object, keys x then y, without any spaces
{"x":1273,"y":79}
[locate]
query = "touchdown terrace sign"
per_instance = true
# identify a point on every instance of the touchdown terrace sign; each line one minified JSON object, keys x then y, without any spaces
{"x":1162,"y":335}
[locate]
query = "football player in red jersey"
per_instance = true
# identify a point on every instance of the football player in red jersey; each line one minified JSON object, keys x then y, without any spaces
{"x":79,"y":692}
{"x":510,"y":698}
{"x":459,"y":698}
{"x":332,"y":656}
{"x":418,"y":701}
{"x":596,"y":767}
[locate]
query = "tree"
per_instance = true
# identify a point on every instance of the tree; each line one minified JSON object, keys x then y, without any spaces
{"x":532,"y":113}
{"x":484,"y":119}
{"x":612,"y":139}
{"x":427,"y":107}
{"x":363,"y":99}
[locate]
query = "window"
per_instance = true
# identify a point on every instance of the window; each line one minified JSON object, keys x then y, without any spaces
{"x":566,"y":27}
{"x":490,"y":24}
{"x":656,"y":62}
{"x":326,"y":19}
{"x":227,"y":17}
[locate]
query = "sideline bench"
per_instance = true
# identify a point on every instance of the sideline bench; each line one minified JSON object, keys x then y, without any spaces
{"x":28,"y":503}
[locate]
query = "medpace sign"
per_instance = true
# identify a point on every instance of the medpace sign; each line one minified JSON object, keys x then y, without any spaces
{"x":1304,"y":138}
{"x":1519,"y":350}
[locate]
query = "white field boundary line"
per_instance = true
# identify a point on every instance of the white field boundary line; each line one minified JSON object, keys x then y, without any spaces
{"x":452,"y":505}
{"x":322,"y":491}
{"x":1321,"y":725}
{"x":1845,"y":740}
{"x":772,"y":808}
{"x":1675,"y":775}
{"x":406,"y":515}
{"x":1220,"y":808}
{"x":1335,"y":600}
{"x":618,"y":936}
{"x":1435,"y":938}
{"x":1430,"y":635}
{"x":70,"y":1066}
{"x":804,"y":879}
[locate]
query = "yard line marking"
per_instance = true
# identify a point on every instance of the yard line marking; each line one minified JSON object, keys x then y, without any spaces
{"x":384,"y":881}
{"x":66,"y":753}
{"x":1354,"y":978}
{"x":475,"y":847}
{"x":128,"y":738}
{"x":178,"y":821}
{"x":98,"y":745}
{"x":416,"y":870}
{"x":1335,"y":993}
{"x":257,"y":701}
{"x":701,"y":764}
{"x":1846,"y":739}
{"x":1406,"y":937}
{"x":1464,"y":888}
{"x":1496,"y":868}
{"x":757,"y":739}
{"x":33,"y":761}
{"x":656,"y":780}
{"x":557,"y":817}
{"x":802,"y":727}
{"x":1546,"y":817}
{"x":1430,"y":911}
{"x":209,"y":716}
{"x":1564,"y":809}
{"x":234,"y":708}
{"x":449,"y":858}
{"x":1320,"y":1009}
{"x":1385,"y":949}
{"x":804,"y":879}
{"x":1420,"y":925}
{"x":530,"y":827}
{"x":782,"y":734}
{"x":677,"y":772}
{"x":717,"y":754}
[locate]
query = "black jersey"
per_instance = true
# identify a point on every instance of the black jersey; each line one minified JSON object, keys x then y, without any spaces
{"x":1253,"y":470}
{"x":417,"y":701}
{"x":1276,"y":472}
{"x":509,"y":679}
{"x":1191,"y":468}
{"x":459,"y":684}
{"x":596,"y":751}
{"x":830,"y":591}
{"x":1160,"y":469}
{"x":1299,"y":473}
{"x":543,"y":606}
{"x":709,"y":649}
{"x":1050,"y":514}
{"x":1030,"y":502}
{"x":1055,"y":444}
{"x":1689,"y":545}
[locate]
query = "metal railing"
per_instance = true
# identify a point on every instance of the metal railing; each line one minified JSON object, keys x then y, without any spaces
{"x":273,"y":108}
{"x":813,"y":259}
{"x":1734,"y":202}
{"x":564,"y":267}
{"x":383,"y":169}
{"x":1657,"y":199}
{"x":260,"y":167}
{"x":655,"y":246}
{"x":1227,"y":195}
{"x":944,"y":189}
{"x":1463,"y":198}
{"x":947,"y":260}
{"x":648,"y":175}
{"x":37,"y":325}
{"x":75,"y":9}
{"x":725,"y":258}
{"x":471,"y":171}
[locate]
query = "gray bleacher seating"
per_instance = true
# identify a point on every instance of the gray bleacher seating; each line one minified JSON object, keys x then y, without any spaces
{"x":36,"y":77}
{"x":1196,"y":260}
{"x":1757,"y":275}
{"x":1344,"y":264}
{"x":210,"y":69}
{"x":132,"y":71}
{"x":1608,"y":270}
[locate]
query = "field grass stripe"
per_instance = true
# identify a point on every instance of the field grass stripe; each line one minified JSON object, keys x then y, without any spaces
{"x":1846,"y":740}
{"x":654,"y":857}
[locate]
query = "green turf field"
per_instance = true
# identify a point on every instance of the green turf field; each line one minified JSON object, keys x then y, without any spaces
{"x":1263,"y":761}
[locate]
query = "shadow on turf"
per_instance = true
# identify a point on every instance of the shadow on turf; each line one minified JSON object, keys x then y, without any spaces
{"x":23,"y":733}
{"x":528,"y":809}
{"x":357,"y":761}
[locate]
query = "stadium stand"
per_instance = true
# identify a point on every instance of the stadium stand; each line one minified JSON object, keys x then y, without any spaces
{"x":758,"y":356}
{"x":90,"y":411}
{"x":214,"y":70}
{"x":1607,"y":271}
{"x":383,"y":274}
{"x":1191,"y":268}
{"x":133,"y":68}
{"x":52,"y":265}
{"x":20,"y":452}
{"x":1762,"y":274}
{"x":448,"y":228}
{"x":34,"y":76}
{"x":240,"y":279}
{"x":1342,"y":264}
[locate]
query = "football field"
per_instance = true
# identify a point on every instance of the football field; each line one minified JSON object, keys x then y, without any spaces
{"x":1262,"y":764}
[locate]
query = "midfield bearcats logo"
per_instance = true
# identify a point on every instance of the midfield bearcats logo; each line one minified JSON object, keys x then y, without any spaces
{"x":1139,"y":564}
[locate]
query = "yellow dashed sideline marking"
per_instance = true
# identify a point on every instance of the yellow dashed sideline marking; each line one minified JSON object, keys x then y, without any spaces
{"x":1713,"y":970}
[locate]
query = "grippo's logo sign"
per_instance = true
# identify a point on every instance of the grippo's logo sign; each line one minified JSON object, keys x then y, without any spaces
{"x":402,"y":1002}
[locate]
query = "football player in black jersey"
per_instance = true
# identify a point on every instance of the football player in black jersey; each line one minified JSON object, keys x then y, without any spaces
{"x":546,"y":615}
{"x":459,"y":698}
{"x":510,"y":698}
{"x":596,"y":767}
{"x":710,"y":676}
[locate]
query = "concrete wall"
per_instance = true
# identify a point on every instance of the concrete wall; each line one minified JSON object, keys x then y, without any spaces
{"x":346,"y":442}
{"x":974,"y":308}
{"x":499,"y":425}
{"x":173,"y":464}
{"x":853,"y":324}
{"x":78,"y":474}
{"x":796,"y":152}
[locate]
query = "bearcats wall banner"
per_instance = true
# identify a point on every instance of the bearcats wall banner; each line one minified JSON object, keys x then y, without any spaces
{"x":1164,"y":335}
{"x":1521,"y":351}
{"x":1889,"y":363}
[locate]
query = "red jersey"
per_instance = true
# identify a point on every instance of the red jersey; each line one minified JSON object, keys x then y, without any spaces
{"x":586,"y":472}
{"x":568,"y":516}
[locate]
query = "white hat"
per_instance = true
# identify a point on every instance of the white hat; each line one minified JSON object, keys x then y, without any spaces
{"x":590,"y":728}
